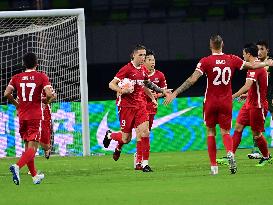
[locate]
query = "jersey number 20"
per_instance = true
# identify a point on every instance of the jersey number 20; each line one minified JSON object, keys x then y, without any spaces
{"x":223,"y":76}
{"x":29,"y":85}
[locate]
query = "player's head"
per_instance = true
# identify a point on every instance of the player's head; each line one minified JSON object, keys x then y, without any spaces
{"x":250,"y":50}
{"x":138,"y":55}
{"x":149,"y":60}
{"x":263,"y":50}
{"x":216,"y":42}
{"x":30,"y":60}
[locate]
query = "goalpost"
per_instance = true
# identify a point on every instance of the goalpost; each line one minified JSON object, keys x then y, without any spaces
{"x":58,"y":39}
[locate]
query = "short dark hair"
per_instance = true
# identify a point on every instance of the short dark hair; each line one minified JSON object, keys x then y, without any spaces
{"x":136,"y":48}
{"x":30,"y":60}
{"x":263,"y":43}
{"x":216,"y":41}
{"x":252,"y":49}
{"x":150,"y":52}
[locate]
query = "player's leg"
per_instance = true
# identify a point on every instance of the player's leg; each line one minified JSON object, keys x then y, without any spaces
{"x":142,"y":131}
{"x":139,"y":157}
{"x":211,"y":119}
{"x":211,"y":142}
{"x":237,"y":136}
{"x":45,"y":137}
{"x":257,"y":118}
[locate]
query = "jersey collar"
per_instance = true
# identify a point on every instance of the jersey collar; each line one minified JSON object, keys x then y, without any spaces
{"x":217,"y":54}
{"x":29,"y":70}
{"x":135,"y":66}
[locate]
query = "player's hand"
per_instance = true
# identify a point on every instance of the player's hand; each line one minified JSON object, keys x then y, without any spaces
{"x":272,"y":102}
{"x":269,"y":62}
{"x":169,"y":98}
{"x":127,"y":90}
{"x":242,"y":97}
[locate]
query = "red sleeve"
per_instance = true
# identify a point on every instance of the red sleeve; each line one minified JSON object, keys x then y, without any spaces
{"x":122,"y":73}
{"x":45,"y":80}
{"x":12,"y":82}
{"x":162,"y":81}
{"x":252,"y":75}
{"x":146,"y":73}
{"x":237,"y":62}
{"x":201,"y":66}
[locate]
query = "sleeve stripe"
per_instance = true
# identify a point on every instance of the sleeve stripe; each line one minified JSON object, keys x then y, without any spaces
{"x":251,"y":79}
{"x":199,"y":70}
{"x":117,"y":78}
{"x":242,"y":67}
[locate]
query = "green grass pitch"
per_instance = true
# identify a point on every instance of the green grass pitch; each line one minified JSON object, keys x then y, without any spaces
{"x":178,"y":178}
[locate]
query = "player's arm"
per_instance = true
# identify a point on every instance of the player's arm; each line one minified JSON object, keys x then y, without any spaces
{"x":9,"y":96}
{"x":154,"y":87}
{"x":186,"y":85}
{"x":256,"y":65}
{"x":150,"y":94}
{"x":243,"y":89}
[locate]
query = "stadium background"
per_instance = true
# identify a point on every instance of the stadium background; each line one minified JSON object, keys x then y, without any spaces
{"x":178,"y":32}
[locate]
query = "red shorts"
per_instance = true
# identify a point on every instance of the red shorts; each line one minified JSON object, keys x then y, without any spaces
{"x":30,"y":130}
{"x":130,"y":117}
{"x":46,"y":132}
{"x":253,"y":117}
{"x":218,"y":112}
{"x":151,"y":120}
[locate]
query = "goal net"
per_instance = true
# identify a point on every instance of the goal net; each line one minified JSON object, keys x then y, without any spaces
{"x":57,"y":38}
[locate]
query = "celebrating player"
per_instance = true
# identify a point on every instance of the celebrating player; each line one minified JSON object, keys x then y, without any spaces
{"x":29,"y":85}
{"x":131,"y":104}
{"x":157,"y":78}
{"x":255,"y":109}
{"x":219,"y":69}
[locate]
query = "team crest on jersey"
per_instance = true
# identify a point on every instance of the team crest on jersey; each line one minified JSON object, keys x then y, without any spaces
{"x":252,"y":74}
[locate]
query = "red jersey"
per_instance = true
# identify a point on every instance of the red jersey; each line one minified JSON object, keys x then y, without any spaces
{"x":258,"y":91}
{"x":219,"y":69}
{"x":29,"y":86}
{"x":137,"y":76}
{"x":157,"y":78}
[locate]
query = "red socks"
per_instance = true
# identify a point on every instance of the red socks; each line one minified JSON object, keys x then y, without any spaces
{"x":262,"y":144}
{"x":145,"y":142}
{"x":139,"y":151}
{"x":237,"y":137}
{"x":117,"y":136}
{"x":212,"y":150}
{"x":31,"y":167}
{"x":27,"y":156}
{"x":228,"y":142}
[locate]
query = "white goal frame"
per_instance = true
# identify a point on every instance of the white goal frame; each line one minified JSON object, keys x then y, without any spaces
{"x":82,"y":59}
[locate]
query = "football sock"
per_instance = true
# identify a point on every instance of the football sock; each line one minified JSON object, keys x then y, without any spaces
{"x":31,"y":167}
{"x":119,"y":146}
{"x":27,"y":156}
{"x":117,"y":136}
{"x":262,"y":144}
{"x":139,"y":152}
{"x":145,"y":142}
{"x":228,"y":142}
{"x":237,"y":136}
{"x":212,"y":150}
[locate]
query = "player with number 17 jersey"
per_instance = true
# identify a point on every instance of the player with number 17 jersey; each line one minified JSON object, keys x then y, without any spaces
{"x":219,"y":69}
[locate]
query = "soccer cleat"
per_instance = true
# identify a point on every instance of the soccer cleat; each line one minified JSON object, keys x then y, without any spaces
{"x":214,"y":170}
{"x":138,"y":166}
{"x":106,"y":140}
{"x":14,"y":169}
{"x":38,"y":178}
{"x":147,"y":168}
{"x":264,"y":161}
{"x":116,"y":154}
{"x":232,"y":163}
{"x":222,"y":161}
{"x":255,"y":155}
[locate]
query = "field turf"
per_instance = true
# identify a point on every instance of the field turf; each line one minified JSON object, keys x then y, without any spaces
{"x":178,"y":178}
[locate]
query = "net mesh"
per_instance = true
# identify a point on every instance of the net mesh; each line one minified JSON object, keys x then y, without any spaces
{"x":55,"y":42}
